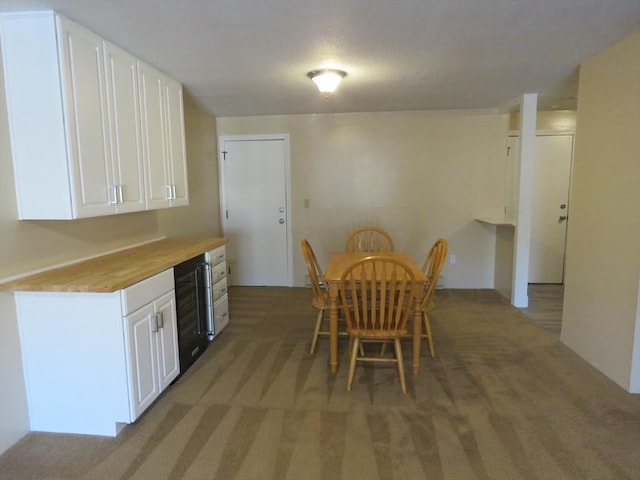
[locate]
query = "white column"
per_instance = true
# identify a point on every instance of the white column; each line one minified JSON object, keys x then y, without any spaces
{"x":528,"y":115}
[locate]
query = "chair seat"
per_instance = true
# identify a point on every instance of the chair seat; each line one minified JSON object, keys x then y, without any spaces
{"x":377,"y":334}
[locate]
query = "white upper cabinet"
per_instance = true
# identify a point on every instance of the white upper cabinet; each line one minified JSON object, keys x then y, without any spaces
{"x":163,"y":139}
{"x":74,"y":119}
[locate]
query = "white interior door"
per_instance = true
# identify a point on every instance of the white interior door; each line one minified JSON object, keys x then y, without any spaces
{"x":550,"y":210}
{"x":254,"y":176}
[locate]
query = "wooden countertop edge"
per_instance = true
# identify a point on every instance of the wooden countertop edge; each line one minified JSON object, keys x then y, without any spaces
{"x":115,"y":271}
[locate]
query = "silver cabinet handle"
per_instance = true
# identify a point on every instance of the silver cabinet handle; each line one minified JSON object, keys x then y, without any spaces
{"x":160,"y":320}
{"x":112,"y":193}
{"x":154,"y":323}
{"x":167,"y":189}
{"x":120,"y":196}
{"x":173,"y":192}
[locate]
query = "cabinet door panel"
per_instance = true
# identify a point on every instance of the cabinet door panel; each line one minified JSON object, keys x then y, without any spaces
{"x":86,"y":103}
{"x":221,"y":314}
{"x":124,"y":127}
{"x":142,"y":359}
{"x":167,"y":340}
{"x":153,"y":147}
{"x":175,"y":142}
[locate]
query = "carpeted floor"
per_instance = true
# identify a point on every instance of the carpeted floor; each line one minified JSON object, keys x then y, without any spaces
{"x":545,"y":306}
{"x":503,"y":399}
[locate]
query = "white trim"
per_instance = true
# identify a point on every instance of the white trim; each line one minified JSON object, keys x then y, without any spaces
{"x":546,"y":132}
{"x":222,"y":187}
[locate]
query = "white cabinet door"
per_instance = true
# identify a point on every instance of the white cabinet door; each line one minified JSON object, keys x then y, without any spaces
{"x":154,"y":149}
{"x":127,"y":184}
{"x":177,"y":158}
{"x":87,"y":117}
{"x":141,"y":346}
{"x":167,"y":340}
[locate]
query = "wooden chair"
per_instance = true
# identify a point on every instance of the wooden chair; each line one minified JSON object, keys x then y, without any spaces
{"x":381,"y":295}
{"x":369,"y":239}
{"x":432,"y":268}
{"x":320,"y":292}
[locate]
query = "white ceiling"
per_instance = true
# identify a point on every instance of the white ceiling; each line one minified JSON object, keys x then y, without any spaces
{"x":251,"y":57}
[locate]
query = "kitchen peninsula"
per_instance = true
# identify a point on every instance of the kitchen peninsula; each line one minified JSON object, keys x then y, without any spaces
{"x":99,"y":337}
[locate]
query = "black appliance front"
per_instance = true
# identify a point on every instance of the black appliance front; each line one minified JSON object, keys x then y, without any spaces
{"x":191,"y":307}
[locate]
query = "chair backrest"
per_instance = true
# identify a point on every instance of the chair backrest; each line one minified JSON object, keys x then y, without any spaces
{"x":432,"y":267}
{"x":369,"y":239}
{"x":380,"y":293}
{"x":319,"y":287}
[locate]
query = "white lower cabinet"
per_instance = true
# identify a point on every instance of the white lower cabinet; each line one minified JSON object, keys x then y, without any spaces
{"x":151,"y":348}
{"x":93,"y":362}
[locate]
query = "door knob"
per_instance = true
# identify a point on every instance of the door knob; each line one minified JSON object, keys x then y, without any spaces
{"x":281,"y":220}
{"x":562,"y":218}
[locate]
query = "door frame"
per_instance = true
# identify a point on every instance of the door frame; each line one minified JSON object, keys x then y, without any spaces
{"x":287,"y":167}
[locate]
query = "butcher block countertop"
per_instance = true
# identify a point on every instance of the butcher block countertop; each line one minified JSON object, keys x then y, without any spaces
{"x":115,"y":271}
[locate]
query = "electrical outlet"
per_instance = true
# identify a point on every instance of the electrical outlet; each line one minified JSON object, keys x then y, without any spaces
{"x":452,"y":259}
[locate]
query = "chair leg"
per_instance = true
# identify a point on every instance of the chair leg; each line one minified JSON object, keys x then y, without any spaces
{"x":361,"y":348}
{"x":352,"y":362}
{"x":403,"y":381}
{"x":316,"y":331}
{"x":427,"y":328}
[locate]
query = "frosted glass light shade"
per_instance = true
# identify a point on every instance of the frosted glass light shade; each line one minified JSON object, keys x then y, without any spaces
{"x":327,"y":80}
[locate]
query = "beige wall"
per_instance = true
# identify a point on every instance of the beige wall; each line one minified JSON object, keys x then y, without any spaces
{"x":559,"y":120}
{"x":420,"y":175}
{"x":31,"y":245}
{"x":601,"y":320}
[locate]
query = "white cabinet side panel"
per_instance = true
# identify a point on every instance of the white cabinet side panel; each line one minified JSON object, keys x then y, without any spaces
{"x":32,"y":84}
{"x":74,"y":362}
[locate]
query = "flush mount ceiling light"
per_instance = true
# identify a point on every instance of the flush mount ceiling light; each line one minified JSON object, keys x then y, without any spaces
{"x":327,"y":79}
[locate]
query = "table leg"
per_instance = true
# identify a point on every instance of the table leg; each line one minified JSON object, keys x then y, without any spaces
{"x":417,"y":335}
{"x":333,"y":327}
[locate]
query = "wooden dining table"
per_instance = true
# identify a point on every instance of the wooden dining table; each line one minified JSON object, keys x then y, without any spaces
{"x":338,"y":263}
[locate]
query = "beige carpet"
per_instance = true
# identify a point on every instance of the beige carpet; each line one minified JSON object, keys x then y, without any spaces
{"x":503,"y":399}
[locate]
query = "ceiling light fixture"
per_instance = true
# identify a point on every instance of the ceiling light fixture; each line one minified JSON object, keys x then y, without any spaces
{"x":327,"y":79}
